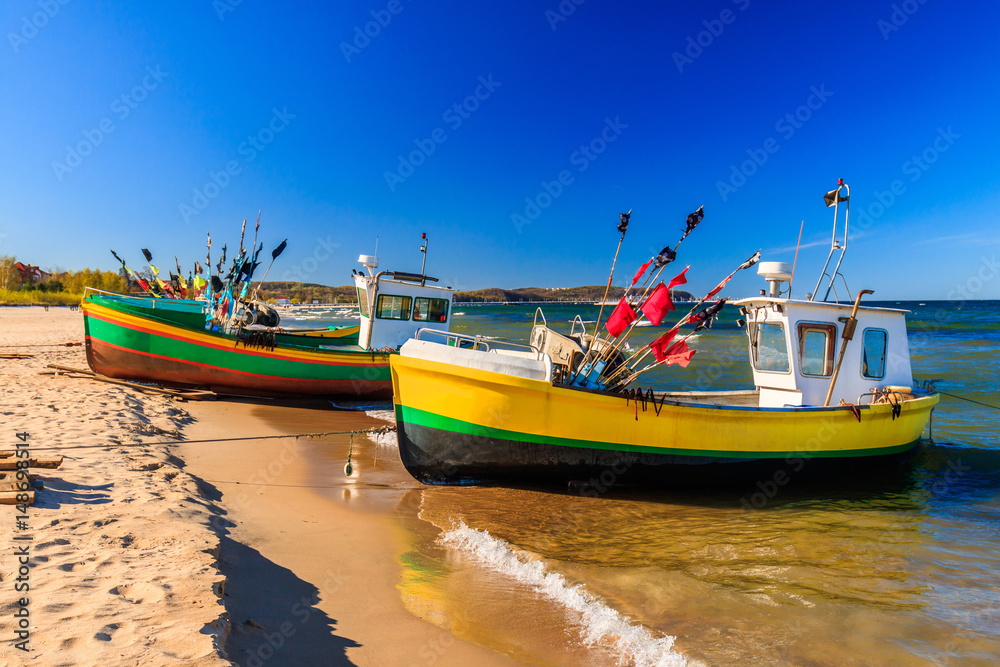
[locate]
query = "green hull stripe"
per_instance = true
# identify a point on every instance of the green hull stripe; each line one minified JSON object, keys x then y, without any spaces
{"x":426,"y":419}
{"x":237,"y":360}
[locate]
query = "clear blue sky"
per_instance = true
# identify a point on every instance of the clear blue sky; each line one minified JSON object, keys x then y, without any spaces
{"x":310,"y":117}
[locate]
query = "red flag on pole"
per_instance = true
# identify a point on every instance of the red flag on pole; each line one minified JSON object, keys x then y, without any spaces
{"x":620,"y":318}
{"x":680,"y":354}
{"x":657,"y":305}
{"x":717,"y":289}
{"x":679,"y":279}
{"x":659,"y":345}
{"x":659,"y":302}
{"x":642,"y":270}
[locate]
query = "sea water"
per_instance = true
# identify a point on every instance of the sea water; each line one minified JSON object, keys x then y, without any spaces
{"x":896,"y":566}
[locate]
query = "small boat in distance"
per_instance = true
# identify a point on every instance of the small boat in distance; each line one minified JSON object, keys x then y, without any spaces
{"x":470,"y":410}
{"x":177,"y":342}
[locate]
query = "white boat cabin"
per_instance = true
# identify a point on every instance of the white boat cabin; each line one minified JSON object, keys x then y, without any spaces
{"x":795,"y":344}
{"x":394,"y":305}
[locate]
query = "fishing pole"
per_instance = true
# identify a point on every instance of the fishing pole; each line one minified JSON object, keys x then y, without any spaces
{"x":622,"y":227}
{"x":138,"y":281}
{"x":704,"y":318}
{"x":660,"y":262}
{"x":256,"y":229}
{"x":668,"y":359}
{"x":242,"y":234}
{"x":753,"y":259}
{"x":155,"y":272}
{"x":274,"y":255}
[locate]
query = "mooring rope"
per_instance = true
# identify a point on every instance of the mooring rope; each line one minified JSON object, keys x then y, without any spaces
{"x":970,"y":400}
{"x":373,"y":430}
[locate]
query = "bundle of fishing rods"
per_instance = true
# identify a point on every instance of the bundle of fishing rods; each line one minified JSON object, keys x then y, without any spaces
{"x":233,"y":302}
{"x":603,"y":366}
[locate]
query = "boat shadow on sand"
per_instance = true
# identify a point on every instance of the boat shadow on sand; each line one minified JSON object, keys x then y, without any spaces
{"x":274,"y":614}
{"x":932,"y":473}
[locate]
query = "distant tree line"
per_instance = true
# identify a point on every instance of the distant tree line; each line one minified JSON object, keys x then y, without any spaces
{"x":66,"y":282}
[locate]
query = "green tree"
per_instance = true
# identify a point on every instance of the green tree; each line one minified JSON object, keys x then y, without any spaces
{"x":8,"y":275}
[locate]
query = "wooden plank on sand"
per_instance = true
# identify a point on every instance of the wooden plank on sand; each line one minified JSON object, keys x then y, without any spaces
{"x":190,"y":394}
{"x":11,"y":463}
{"x":10,"y":497}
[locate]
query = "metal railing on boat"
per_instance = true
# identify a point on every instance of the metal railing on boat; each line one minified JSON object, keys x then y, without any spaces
{"x":470,"y":342}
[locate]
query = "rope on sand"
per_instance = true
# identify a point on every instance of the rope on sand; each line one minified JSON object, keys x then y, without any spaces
{"x":319,"y":434}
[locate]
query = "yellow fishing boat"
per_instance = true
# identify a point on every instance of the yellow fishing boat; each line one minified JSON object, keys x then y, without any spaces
{"x":471,"y":409}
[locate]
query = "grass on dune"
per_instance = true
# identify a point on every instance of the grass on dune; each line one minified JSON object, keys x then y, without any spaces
{"x":35,"y":298}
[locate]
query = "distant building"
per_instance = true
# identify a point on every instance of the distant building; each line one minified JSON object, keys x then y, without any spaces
{"x":282,"y":300}
{"x":31,"y":274}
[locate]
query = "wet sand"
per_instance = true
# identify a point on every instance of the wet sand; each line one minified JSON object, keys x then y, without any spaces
{"x":311,"y":556}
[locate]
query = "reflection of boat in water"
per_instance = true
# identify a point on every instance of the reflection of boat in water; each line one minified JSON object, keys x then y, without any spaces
{"x":174,"y":341}
{"x":467,"y":408}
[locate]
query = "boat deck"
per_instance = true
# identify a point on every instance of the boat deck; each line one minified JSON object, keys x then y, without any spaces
{"x":742,"y":398}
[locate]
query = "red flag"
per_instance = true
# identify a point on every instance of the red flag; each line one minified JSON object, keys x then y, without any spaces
{"x":660,"y":344}
{"x":718,"y":288}
{"x":642,"y":270}
{"x":679,"y":353}
{"x":679,"y":279}
{"x":658,"y":304}
{"x":620,"y":318}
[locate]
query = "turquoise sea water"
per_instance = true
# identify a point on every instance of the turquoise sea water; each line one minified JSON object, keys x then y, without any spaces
{"x":899,"y":567}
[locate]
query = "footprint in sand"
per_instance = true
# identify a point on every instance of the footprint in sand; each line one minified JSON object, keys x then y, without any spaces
{"x":139,"y":593}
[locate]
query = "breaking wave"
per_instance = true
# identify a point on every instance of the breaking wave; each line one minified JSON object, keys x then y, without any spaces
{"x":599,"y":623}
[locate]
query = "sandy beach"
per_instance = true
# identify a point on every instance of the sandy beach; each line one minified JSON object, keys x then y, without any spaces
{"x":147,"y":550}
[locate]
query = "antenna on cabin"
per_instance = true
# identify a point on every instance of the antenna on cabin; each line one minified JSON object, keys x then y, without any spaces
{"x":423,"y":249}
{"x":834,"y":198}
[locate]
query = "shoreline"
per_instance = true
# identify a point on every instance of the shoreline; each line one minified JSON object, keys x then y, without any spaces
{"x":311,"y":556}
{"x":159,"y":541}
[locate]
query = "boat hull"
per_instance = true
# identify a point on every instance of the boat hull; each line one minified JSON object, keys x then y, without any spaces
{"x":128,"y":346}
{"x":458,"y":424}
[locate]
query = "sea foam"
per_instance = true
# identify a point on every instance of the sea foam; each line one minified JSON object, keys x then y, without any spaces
{"x":599,"y":623}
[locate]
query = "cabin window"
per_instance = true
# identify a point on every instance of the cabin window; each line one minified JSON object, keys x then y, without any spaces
{"x":770,"y":351}
{"x":392,"y":307}
{"x":363,"y":302}
{"x":430,"y":310}
{"x":873,"y":353}
{"x":816,"y":343}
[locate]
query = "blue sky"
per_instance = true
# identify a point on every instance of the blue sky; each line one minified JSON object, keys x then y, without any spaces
{"x":130,"y":126}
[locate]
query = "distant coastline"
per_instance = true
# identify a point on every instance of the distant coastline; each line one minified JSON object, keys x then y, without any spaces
{"x":307,"y":293}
